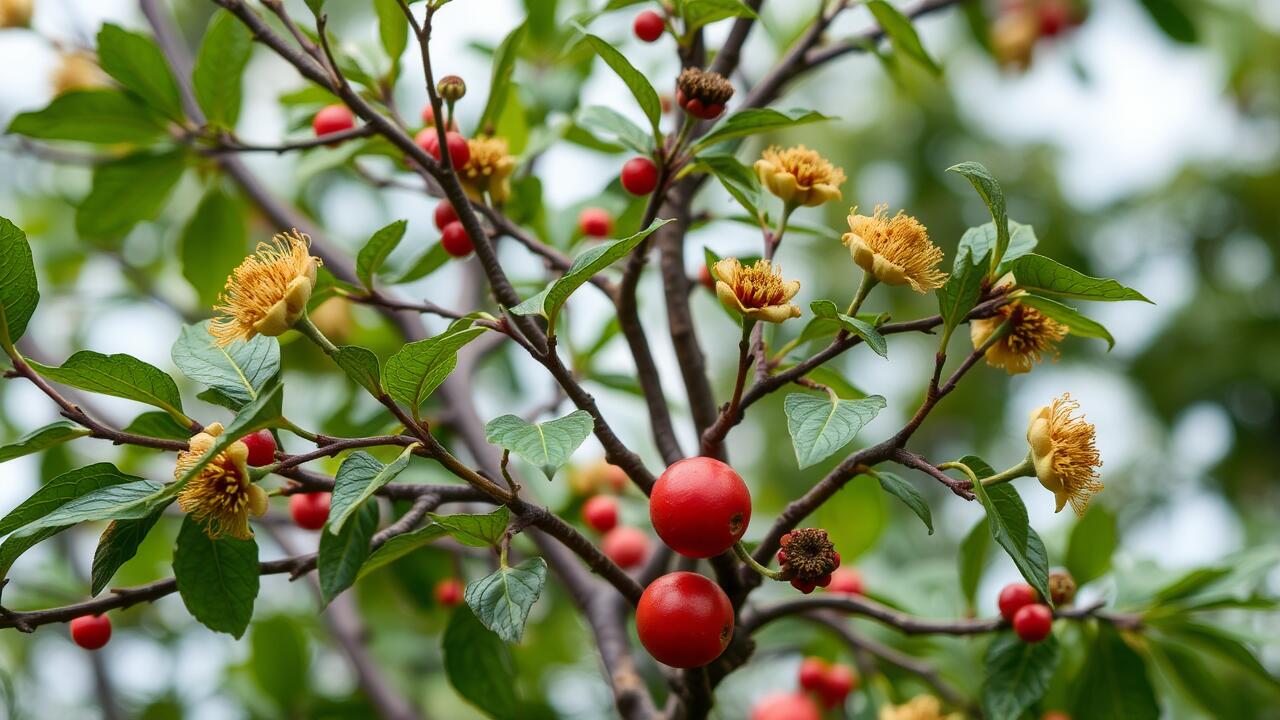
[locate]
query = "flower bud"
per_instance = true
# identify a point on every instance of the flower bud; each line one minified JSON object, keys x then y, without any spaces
{"x":703,"y":94}
{"x":1062,"y":587}
{"x":808,"y":557}
{"x":451,"y":88}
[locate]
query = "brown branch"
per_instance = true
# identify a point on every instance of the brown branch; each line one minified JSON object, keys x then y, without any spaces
{"x":229,"y":144}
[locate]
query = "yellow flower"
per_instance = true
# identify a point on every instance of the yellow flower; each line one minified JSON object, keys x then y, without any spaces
{"x":757,"y":292}
{"x":920,"y":707}
{"x":1063,"y":451}
{"x":896,"y":250}
{"x":15,"y":13}
{"x":488,"y":170}
{"x":799,"y":176}
{"x":267,"y":293}
{"x":1031,"y":333}
{"x":1013,"y":38}
{"x":221,"y":494}
{"x":77,"y":71}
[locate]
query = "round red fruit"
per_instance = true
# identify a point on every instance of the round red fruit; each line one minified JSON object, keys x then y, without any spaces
{"x":639,"y":176}
{"x":705,"y":279}
{"x":684,"y":620}
{"x":91,"y":631}
{"x":309,"y":510}
{"x":626,"y":546}
{"x":444,"y":214}
{"x":455,"y":240}
{"x":1033,"y":623}
{"x":839,"y":681}
{"x":786,"y":706}
{"x":700,"y":507}
{"x":1055,"y":17}
{"x":262,"y":448}
{"x":595,"y":222}
{"x":332,"y":119}
{"x":847,"y":581}
{"x":1014,"y":597}
{"x":600,"y":513}
{"x":429,"y":140}
{"x":813,"y":673}
{"x":448,"y":592}
{"x":649,"y":26}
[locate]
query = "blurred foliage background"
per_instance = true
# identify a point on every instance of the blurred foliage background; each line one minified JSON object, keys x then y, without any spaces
{"x":1139,"y":148}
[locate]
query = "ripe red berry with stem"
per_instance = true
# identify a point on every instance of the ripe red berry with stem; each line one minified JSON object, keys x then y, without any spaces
{"x":91,"y":632}
{"x":309,"y":510}
{"x":459,"y":152}
{"x":786,"y":706}
{"x":600,"y":513}
{"x":448,"y":592}
{"x":332,"y":119}
{"x":639,"y":176}
{"x":455,"y":240}
{"x":838,"y":682}
{"x":595,"y":222}
{"x":444,"y":214}
{"x":847,"y":581}
{"x":262,"y":447}
{"x":1014,"y":597}
{"x":649,"y":26}
{"x":700,"y":507}
{"x":1033,"y":623}
{"x":626,"y":546}
{"x":813,"y":673}
{"x":684,"y":620}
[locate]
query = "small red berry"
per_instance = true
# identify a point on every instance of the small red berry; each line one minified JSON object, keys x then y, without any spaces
{"x":1014,"y":596}
{"x":847,"y":581}
{"x":705,"y":279}
{"x":309,"y":510}
{"x":459,"y":151}
{"x":444,"y":214}
{"x":600,"y":513}
{"x":262,"y":447}
{"x":838,"y":682}
{"x":626,"y":546}
{"x":595,"y":222}
{"x":455,"y":240}
{"x":1033,"y":623}
{"x":700,"y":507}
{"x":684,"y":620}
{"x":639,"y":176}
{"x":91,"y":631}
{"x":1055,"y":17}
{"x":448,"y":592}
{"x":803,"y":586}
{"x":813,"y":673}
{"x":649,"y":26}
{"x":786,"y":706}
{"x":332,"y":119}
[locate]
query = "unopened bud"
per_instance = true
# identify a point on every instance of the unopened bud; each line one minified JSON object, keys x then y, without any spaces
{"x":1062,"y":587}
{"x":451,"y":88}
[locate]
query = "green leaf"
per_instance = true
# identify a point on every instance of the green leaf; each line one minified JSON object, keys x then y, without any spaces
{"x":137,"y":63}
{"x":1093,"y":541}
{"x":119,"y":543}
{"x":358,"y":478}
{"x":1113,"y":682}
{"x":475,"y":530}
{"x":480,"y":666}
{"x":401,"y":545}
{"x":1043,"y":275}
{"x":636,"y":82}
{"x":820,"y":426}
{"x":1172,"y":19}
{"x":393,"y":30}
{"x":124,"y":501}
{"x":548,"y":302}
{"x":117,"y":375}
{"x":979,"y":242}
{"x":827,"y":310}
{"x":1018,"y":675}
{"x":18,"y":290}
{"x":991,"y":193}
{"x":974,"y":550}
{"x":281,"y":661}
{"x":1069,"y":316}
{"x":615,"y":127}
{"x":907,"y":493}
{"x":54,"y":433}
{"x":502,"y":600}
{"x":961,"y":293}
{"x":219,"y":69}
{"x":703,"y":12}
{"x":94,"y":116}
{"x":1224,"y":649}
{"x":413,"y":373}
{"x":14,"y":545}
{"x":1010,"y":528}
{"x":430,"y":261}
{"x":902,"y":34}
{"x":375,"y":252}
{"x":341,"y":555}
{"x":239,"y":371}
{"x":217,"y":579}
{"x":127,"y":191}
{"x":738,"y":180}
{"x":61,"y":490}
{"x":754,"y":121}
{"x":158,"y":424}
{"x":213,"y":243}
{"x":504,"y":63}
{"x":547,"y":445}
{"x":360,"y":364}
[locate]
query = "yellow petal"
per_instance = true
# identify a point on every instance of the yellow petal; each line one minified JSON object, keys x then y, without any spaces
{"x":276,"y":321}
{"x":257,"y":501}
{"x":774,"y":313}
{"x":728,"y":298}
{"x":790,"y":288}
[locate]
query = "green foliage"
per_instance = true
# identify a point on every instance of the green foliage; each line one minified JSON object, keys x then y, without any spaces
{"x":475,"y":530}
{"x":43,"y":438}
{"x":975,"y":550}
{"x":1069,"y":316}
{"x":136,"y":62}
{"x":698,"y":13}
{"x":238,"y":371}
{"x":118,"y":544}
{"x":213,"y":243}
{"x":401,"y":545}
{"x":128,"y":191}
{"x":820,"y":425}
{"x":358,"y":478}
{"x":61,"y":490}
{"x":1114,"y":682}
{"x":755,"y":121}
{"x":219,"y":69}
{"x":992,"y":194}
{"x":95,"y":116}
{"x":547,"y":445}
{"x":907,"y":493}
{"x":1010,"y":528}
{"x":615,"y":127}
{"x":902,"y":34}
{"x":500,"y":85}
{"x":502,"y":600}
{"x":413,"y":373}
{"x":827,"y":310}
{"x":1046,"y":276}
{"x":281,"y":660}
{"x":635,"y":81}
{"x":1093,"y":542}
{"x":1018,"y":674}
{"x":479,"y":665}
{"x":119,"y":375}
{"x":342,"y":553}
{"x":375,"y":252}
{"x":18,"y":291}
{"x":217,"y":579}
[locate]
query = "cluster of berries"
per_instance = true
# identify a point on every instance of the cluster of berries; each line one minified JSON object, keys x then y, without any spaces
{"x":829,"y":683}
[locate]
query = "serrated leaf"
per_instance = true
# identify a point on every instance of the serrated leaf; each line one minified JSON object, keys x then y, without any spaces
{"x":979,"y":242}
{"x":598,"y":119}
{"x":504,"y":62}
{"x":239,"y":371}
{"x":360,"y":364}
{"x":972,"y":560}
{"x":1113,"y":681}
{"x":1069,"y":316}
{"x":54,"y":433}
{"x":219,"y":69}
{"x":217,"y":579}
{"x":61,"y":490}
{"x":819,"y":427}
{"x":991,"y":193}
{"x":119,"y":543}
{"x":827,"y":310}
{"x":753,"y":121}
{"x":907,"y":493}
{"x":18,"y":290}
{"x":401,"y":545}
{"x":136,"y":62}
{"x":117,"y":375}
{"x":94,"y":116}
{"x":213,"y":243}
{"x":378,"y":248}
{"x":547,"y":445}
{"x":128,"y":191}
{"x":480,"y":666}
{"x":358,"y":478}
{"x":902,"y":34}
{"x":1046,"y":276}
{"x":417,"y":369}
{"x":475,"y":530}
{"x":1093,"y":540}
{"x":502,"y":600}
{"x":635,"y":81}
{"x":1017,"y":675}
{"x":1010,"y":527}
{"x":341,"y":555}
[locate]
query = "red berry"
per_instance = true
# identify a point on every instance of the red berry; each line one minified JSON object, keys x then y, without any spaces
{"x":1033,"y":623}
{"x":1055,"y":715}
{"x":332,"y":119}
{"x":459,"y":151}
{"x":803,"y":586}
{"x":684,"y":620}
{"x":444,"y":214}
{"x":600,"y":513}
{"x":700,"y":507}
{"x":448,"y":592}
{"x":639,"y":176}
{"x":786,"y":706}
{"x":91,"y":631}
{"x":649,"y":26}
{"x":595,"y":222}
{"x":1055,"y":16}
{"x":847,"y":581}
{"x":1014,"y":596}
{"x":705,"y":279}
{"x":455,"y":240}
{"x":309,"y":510}
{"x":262,"y":448}
{"x":838,"y":682}
{"x":813,"y":673}
{"x":626,"y":546}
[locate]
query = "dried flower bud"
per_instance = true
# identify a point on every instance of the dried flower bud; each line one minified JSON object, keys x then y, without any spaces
{"x":451,"y":88}
{"x":1062,"y":587}
{"x":703,"y":94}
{"x":808,"y":557}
